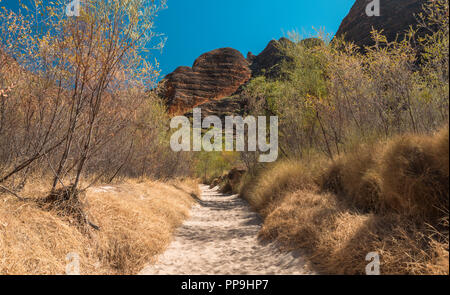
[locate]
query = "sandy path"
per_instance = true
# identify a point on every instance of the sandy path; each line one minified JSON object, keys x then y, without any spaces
{"x":221,"y":238}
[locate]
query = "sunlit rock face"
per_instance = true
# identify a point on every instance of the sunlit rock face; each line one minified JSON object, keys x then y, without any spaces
{"x":214,"y":75}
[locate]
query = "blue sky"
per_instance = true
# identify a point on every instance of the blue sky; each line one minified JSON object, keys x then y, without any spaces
{"x":193,"y":27}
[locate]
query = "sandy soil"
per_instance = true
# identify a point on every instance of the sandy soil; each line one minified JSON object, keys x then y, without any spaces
{"x":221,"y":238}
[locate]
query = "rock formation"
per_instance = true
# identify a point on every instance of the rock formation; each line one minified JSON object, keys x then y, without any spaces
{"x":214,"y":75}
{"x":228,"y":106}
{"x":269,"y":60}
{"x":396,"y":17}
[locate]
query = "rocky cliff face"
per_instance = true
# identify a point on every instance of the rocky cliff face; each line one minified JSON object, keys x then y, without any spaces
{"x":268,"y":61}
{"x":214,"y":75}
{"x":396,"y":17}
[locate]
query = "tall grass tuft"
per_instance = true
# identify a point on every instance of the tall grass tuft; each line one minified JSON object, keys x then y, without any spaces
{"x":390,"y":198}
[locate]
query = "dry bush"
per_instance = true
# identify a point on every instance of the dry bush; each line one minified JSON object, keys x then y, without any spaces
{"x":413,"y":177}
{"x":352,"y":178}
{"x":390,"y":198}
{"x":404,"y":248}
{"x":230,"y":182}
{"x":76,"y":107}
{"x":300,"y":218}
{"x":189,"y":185}
{"x":337,"y":239}
{"x":440,"y":150}
{"x":271,"y":183}
{"x":136,"y":221}
{"x":33,"y":241}
{"x":407,"y":174}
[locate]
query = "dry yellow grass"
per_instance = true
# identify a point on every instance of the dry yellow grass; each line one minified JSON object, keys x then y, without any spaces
{"x":412,"y":180}
{"x":274,"y":182}
{"x":36,"y":242}
{"x":300,"y":218}
{"x":337,"y":240}
{"x":352,"y":177}
{"x":391,"y":199}
{"x":136,"y":220}
{"x":407,"y":174}
{"x":440,"y":150}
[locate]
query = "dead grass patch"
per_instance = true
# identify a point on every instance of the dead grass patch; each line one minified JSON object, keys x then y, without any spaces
{"x":391,"y":199}
{"x":136,"y":220}
{"x":274,"y":181}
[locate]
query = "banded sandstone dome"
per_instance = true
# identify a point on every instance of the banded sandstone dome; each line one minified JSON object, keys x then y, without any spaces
{"x":396,"y":16}
{"x":214,"y":75}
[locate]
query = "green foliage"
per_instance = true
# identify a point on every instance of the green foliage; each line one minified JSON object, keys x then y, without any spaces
{"x":267,"y":91}
{"x":435,"y":56}
{"x":305,"y":69}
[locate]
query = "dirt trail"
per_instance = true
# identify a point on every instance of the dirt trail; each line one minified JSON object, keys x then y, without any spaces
{"x":221,"y":238}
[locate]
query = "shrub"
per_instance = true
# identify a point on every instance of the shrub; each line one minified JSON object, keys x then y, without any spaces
{"x":390,"y":198}
{"x":352,"y":177}
{"x":271,"y":183}
{"x":413,"y":177}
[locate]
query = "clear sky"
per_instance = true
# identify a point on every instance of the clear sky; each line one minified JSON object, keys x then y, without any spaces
{"x":193,"y":27}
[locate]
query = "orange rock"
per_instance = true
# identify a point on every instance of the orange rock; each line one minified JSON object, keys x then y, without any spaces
{"x":214,"y":75}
